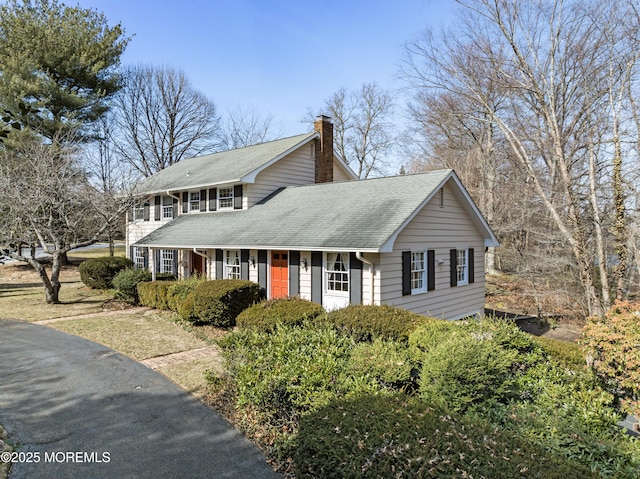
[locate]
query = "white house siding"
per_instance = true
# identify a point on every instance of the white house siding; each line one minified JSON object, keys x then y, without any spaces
{"x":138,"y":229}
{"x":297,"y":168}
{"x":305,"y":276}
{"x":253,"y":269}
{"x":339,"y":173}
{"x":439,"y":229}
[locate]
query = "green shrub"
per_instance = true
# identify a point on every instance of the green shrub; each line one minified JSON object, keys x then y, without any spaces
{"x":569,"y":414}
{"x":291,"y":370}
{"x":126,"y":283}
{"x":219,"y":302}
{"x":565,"y":353}
{"x":377,"y":436}
{"x":388,"y":362}
{"x":179,"y":291}
{"x":98,"y":273}
{"x":366,"y":322}
{"x":428,"y":335}
{"x":467,"y":370}
{"x":612,"y":346}
{"x":153,"y":294}
{"x":266,"y":315}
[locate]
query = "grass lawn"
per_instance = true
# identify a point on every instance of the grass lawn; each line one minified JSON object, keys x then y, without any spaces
{"x":141,"y":334}
{"x":25,"y":300}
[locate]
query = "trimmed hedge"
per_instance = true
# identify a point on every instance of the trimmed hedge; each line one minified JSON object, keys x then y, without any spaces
{"x":98,"y":273}
{"x":378,"y":436}
{"x":154,"y":294}
{"x":367,"y":322}
{"x":126,"y":283}
{"x":220,"y":301}
{"x":179,"y":291}
{"x":266,"y":315}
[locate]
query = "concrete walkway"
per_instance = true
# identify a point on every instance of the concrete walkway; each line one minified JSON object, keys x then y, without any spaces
{"x":79,"y":410}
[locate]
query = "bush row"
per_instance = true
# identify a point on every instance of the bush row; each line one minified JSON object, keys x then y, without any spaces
{"x":395,"y":436}
{"x":485,"y":376}
{"x":215,"y":302}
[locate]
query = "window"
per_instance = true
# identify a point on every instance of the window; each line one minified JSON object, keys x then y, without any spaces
{"x":194,"y":201}
{"x":167,"y":207}
{"x":225,"y":198}
{"x":462,"y":272}
{"x":418,"y":272}
{"x":166,"y":261}
{"x":232,"y":264}
{"x":138,"y":211}
{"x":337,"y":272}
{"x":139,"y":257}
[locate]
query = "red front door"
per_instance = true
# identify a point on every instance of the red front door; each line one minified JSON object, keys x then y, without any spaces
{"x":279,"y":274}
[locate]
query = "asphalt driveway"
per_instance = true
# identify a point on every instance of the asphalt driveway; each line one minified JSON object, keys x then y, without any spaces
{"x":80,"y":410}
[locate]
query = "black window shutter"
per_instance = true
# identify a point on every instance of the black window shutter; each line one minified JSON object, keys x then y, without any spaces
{"x":175,"y":207}
{"x":355,"y":278}
{"x":294,"y":273}
{"x":156,"y":259}
{"x":213,"y":199}
{"x":146,"y":211}
{"x":185,"y":201}
{"x":453,"y":261}
{"x":471,"y":266}
{"x":237,"y":197}
{"x":406,"y":273}
{"x":132,"y":254}
{"x":262,"y":272}
{"x":158,"y":208}
{"x":244,"y":264}
{"x":175,"y":262}
{"x":431,"y":270}
{"x":316,"y":277}
{"x":146,"y":252}
{"x":219,"y":259}
{"x":203,"y":200}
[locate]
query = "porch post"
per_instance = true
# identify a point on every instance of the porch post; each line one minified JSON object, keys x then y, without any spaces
{"x":152,"y":263}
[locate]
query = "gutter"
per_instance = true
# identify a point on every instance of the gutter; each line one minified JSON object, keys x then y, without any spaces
{"x":371,"y":269}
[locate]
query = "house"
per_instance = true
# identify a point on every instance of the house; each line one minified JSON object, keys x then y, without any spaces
{"x":292,"y":216}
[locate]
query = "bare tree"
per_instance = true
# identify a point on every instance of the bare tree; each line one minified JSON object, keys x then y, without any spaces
{"x":161,"y":118}
{"x":46,"y":200}
{"x":244,"y":126}
{"x":363,"y":127}
{"x":549,"y":60}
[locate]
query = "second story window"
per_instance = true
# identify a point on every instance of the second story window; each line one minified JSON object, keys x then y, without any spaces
{"x":194,"y":201}
{"x":225,"y":198}
{"x":167,"y":207}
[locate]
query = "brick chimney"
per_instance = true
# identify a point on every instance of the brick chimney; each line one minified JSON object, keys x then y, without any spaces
{"x":324,"y":149}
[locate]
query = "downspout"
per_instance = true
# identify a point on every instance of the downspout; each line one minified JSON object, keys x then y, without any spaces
{"x":371,"y":270}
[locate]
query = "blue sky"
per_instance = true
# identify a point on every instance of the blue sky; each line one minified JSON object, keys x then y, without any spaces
{"x":280,"y":57}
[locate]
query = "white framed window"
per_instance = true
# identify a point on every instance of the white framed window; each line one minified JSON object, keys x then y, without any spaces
{"x":462,"y":265}
{"x":139,"y":254}
{"x":138,"y":211}
{"x":167,"y":261}
{"x":167,"y":207}
{"x":194,"y":201}
{"x":225,"y":198}
{"x":337,"y":273}
{"x":232,"y":264}
{"x":418,"y":272}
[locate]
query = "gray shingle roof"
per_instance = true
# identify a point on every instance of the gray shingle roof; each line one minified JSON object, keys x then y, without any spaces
{"x":353,"y":216}
{"x":224,"y":167}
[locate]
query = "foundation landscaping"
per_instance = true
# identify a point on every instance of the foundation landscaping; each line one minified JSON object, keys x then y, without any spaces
{"x":376,"y":391}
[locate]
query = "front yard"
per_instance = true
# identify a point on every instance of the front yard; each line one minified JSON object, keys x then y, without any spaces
{"x":310,"y":394}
